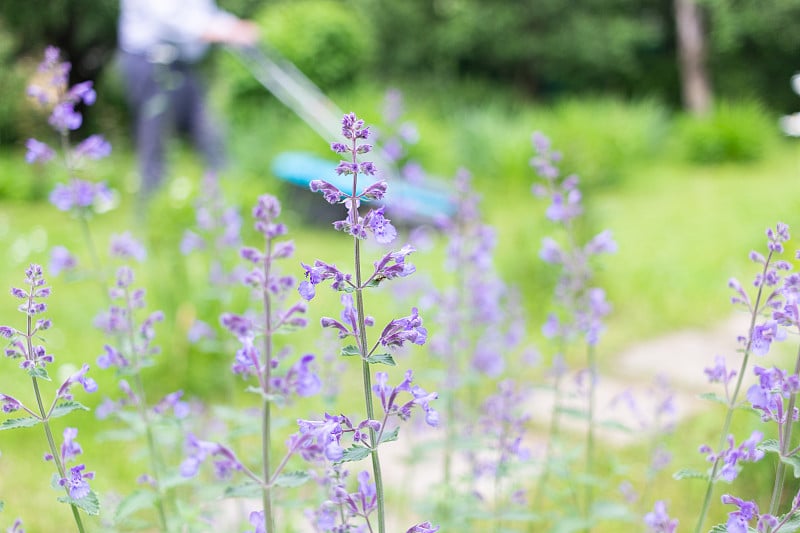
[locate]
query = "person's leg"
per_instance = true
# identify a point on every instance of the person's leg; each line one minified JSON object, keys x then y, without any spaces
{"x":196,"y":120}
{"x":149,"y":103}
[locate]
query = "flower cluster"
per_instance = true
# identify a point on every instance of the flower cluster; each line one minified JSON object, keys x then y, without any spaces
{"x":51,"y":91}
{"x":374,"y":221}
{"x":730,"y":457}
{"x":34,"y":356}
{"x":76,"y":482}
{"x":658,"y":521}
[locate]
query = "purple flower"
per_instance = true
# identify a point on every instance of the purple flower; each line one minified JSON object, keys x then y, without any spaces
{"x":365,"y":500}
{"x":658,"y":521}
{"x":172,"y":401}
{"x":38,"y":152}
{"x":225,"y":461}
{"x":70,"y":449}
{"x":763,"y":335}
{"x":10,"y":404}
{"x":79,"y":194}
{"x":256,"y":519}
{"x":402,"y":330}
{"x":388,"y":396}
{"x":125,"y":246}
{"x":424,"y":527}
{"x":76,"y":483}
{"x":381,"y":228}
{"x":65,"y":118}
{"x":739,"y":520}
{"x":300,"y":378}
{"x":730,"y":457}
{"x":16,"y":527}
{"x":89,"y":385}
{"x":719,"y":372}
{"x":61,"y":260}
{"x":93,"y":147}
{"x":319,"y":439}
{"x":330,"y":192}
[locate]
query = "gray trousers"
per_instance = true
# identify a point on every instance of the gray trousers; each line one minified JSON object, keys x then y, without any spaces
{"x":167,"y":99}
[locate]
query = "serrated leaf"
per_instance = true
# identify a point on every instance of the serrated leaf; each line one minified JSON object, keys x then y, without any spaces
{"x":770,"y":445}
{"x":291,"y":479}
{"x":390,"y":436}
{"x":247,"y":489}
{"x":39,"y":373}
{"x":350,"y":350}
{"x":382,"y":359}
{"x":688,"y":473}
{"x":136,"y":501}
{"x":722,"y":528}
{"x":89,"y":503}
{"x":714,"y":397}
{"x":14,"y":423}
{"x":794,"y":462}
{"x":354,"y":453}
{"x":274,"y":398}
{"x":67,"y":407}
{"x":791,"y":525}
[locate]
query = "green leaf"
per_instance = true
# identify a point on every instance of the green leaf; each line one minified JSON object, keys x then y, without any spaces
{"x":390,"y":436}
{"x":136,"y":501}
{"x":89,"y":503}
{"x":773,"y":446}
{"x":2,"y":505}
{"x":770,"y":445}
{"x":248,"y":489}
{"x":381,"y":358}
{"x":719,"y":528}
{"x":688,"y":473}
{"x":291,"y":479}
{"x":67,"y":407}
{"x":39,"y":372}
{"x":714,"y":397}
{"x":574,"y":413}
{"x":354,"y":453}
{"x":350,"y":350}
{"x":14,"y":423}
{"x":791,"y":525}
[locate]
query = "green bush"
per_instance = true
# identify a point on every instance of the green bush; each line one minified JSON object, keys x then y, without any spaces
{"x":733,"y":132}
{"x":324,"y":39}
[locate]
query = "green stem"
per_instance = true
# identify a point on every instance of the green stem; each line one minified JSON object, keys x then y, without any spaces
{"x":141,"y":406}
{"x":780,"y":472}
{"x":54,"y":450}
{"x":590,"y":434}
{"x":45,"y":416}
{"x":365,"y":369}
{"x":732,"y":402}
{"x":266,"y":427}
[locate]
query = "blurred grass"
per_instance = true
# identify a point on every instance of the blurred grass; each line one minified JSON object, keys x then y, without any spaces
{"x":683,"y":229}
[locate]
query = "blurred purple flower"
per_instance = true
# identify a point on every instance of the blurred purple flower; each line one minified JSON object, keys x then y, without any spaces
{"x":38,"y":152}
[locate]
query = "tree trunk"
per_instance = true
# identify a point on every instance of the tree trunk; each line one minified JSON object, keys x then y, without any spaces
{"x":695,"y":83}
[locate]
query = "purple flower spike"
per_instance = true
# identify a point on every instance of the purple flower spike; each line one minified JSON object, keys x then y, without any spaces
{"x":125,"y":246}
{"x":739,"y":520}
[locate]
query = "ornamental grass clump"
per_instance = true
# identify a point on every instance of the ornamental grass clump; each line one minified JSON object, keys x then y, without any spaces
{"x":23,"y":345}
{"x":366,"y":435}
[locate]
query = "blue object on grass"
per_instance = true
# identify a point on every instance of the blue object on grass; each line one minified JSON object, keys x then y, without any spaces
{"x":403,"y":199}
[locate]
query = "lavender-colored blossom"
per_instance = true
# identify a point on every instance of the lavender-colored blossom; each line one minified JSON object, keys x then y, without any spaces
{"x":256,"y":519}
{"x":388,"y":397}
{"x":61,"y":260}
{"x":330,"y":192}
{"x":89,"y":384}
{"x":173,"y":401}
{"x":10,"y":404}
{"x":65,"y":118}
{"x":70,"y":449}
{"x":38,"y":152}
{"x":300,"y":379}
{"x":774,"y":386}
{"x":763,"y":335}
{"x":225,"y":461}
{"x":77,"y":484}
{"x":402,"y":330}
{"x":364,"y":501}
{"x":200,"y":330}
{"x":93,"y":147}
{"x":16,"y":527}
{"x":739,"y":520}
{"x":126,"y":246}
{"x":319,"y":439}
{"x":719,"y":373}
{"x":730,"y":457}
{"x":380,"y":226}
{"x":79,"y":194}
{"x":658,"y":521}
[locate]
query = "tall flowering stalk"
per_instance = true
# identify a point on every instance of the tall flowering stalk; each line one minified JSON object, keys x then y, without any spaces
{"x":581,"y":306}
{"x":77,"y":196}
{"x":354,"y":321}
{"x":763,"y":330}
{"x":129,"y":353}
{"x":260,"y":360}
{"x":34,"y":360}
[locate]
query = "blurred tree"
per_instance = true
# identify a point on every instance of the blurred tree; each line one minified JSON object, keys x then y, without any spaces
{"x":691,"y":36}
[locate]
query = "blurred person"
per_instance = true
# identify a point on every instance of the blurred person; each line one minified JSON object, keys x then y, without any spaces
{"x":162,"y":43}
